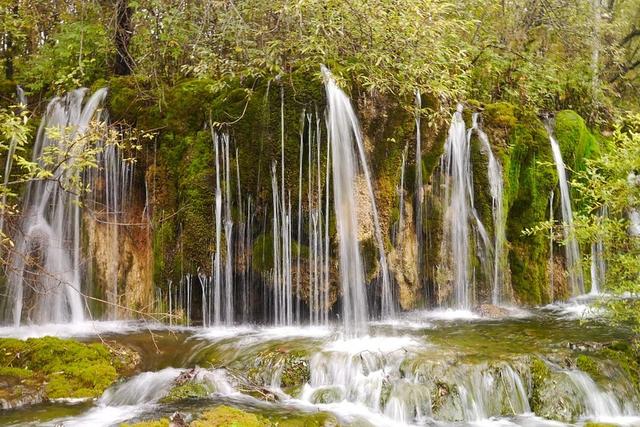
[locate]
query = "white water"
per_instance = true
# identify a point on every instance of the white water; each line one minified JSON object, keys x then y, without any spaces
{"x":498,"y":293}
{"x":343,"y":128}
{"x":572,"y":250}
{"x":217,"y":258}
{"x":340,"y":134}
{"x":51,"y":224}
{"x":598,"y":266}
{"x":456,"y":166}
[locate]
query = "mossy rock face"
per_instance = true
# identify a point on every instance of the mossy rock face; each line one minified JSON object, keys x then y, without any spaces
{"x":540,"y":374}
{"x":588,"y":365}
{"x":190,"y":390}
{"x":58,"y":368}
{"x":554,"y":396}
{"x":290,"y":368}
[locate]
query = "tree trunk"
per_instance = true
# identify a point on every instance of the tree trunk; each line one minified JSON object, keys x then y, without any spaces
{"x":124,"y":31}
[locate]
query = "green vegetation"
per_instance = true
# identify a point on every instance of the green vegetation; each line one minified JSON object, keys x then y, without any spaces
{"x":190,"y":390}
{"x":61,"y":368}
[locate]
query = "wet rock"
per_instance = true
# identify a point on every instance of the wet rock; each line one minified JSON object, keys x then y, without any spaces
{"x":327,"y":395}
{"x":491,"y":311}
{"x":177,"y":420}
{"x":286,"y":369}
{"x":20,"y":387}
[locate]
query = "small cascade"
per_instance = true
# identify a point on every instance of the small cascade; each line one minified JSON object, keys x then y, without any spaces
{"x":143,"y":388}
{"x":456,"y":167}
{"x":572,"y":250}
{"x":52,"y":222}
{"x":499,"y":239}
{"x":383,"y":375}
{"x":22,"y":103}
{"x":595,"y":401}
{"x":343,"y":128}
{"x":598,"y":266}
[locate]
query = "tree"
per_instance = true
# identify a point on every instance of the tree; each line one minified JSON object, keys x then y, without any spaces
{"x":612,"y":181}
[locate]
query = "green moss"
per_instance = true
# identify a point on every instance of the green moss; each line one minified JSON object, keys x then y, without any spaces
{"x":293,"y":366}
{"x":226,"y":416}
{"x":68,"y":368}
{"x":501,"y":114}
{"x":594,"y":424}
{"x":20,"y":373}
{"x":540,"y":374}
{"x":576,"y":141}
{"x":626,"y":359}
{"x":262,"y":259}
{"x":588,"y":365}
{"x":190,"y":390}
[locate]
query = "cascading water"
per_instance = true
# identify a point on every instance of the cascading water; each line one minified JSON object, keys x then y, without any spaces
{"x":598,"y":266}
{"x":342,"y":129}
{"x":419,"y":185}
{"x":572,"y":250}
{"x":456,"y":166}
{"x":496,"y":183}
{"x":51,"y":222}
{"x":221,"y":311}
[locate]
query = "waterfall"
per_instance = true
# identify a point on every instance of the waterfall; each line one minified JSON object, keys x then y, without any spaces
{"x":419,"y":186}
{"x":596,"y":402}
{"x":342,"y":128}
{"x":496,"y":186}
{"x":598,"y":266}
{"x":572,"y":250}
{"x":456,"y":166}
{"x":228,"y":237}
{"x":318,"y":226}
{"x":51,"y":222}
{"x":217,"y":260}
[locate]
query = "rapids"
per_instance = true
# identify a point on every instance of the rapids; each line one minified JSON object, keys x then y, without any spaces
{"x":423,"y":368}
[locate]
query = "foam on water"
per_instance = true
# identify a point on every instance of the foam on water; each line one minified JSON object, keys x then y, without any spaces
{"x":67,"y":330}
{"x":220,"y":333}
{"x":574,"y":310}
{"x":381,"y":344}
{"x":450,"y":314}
